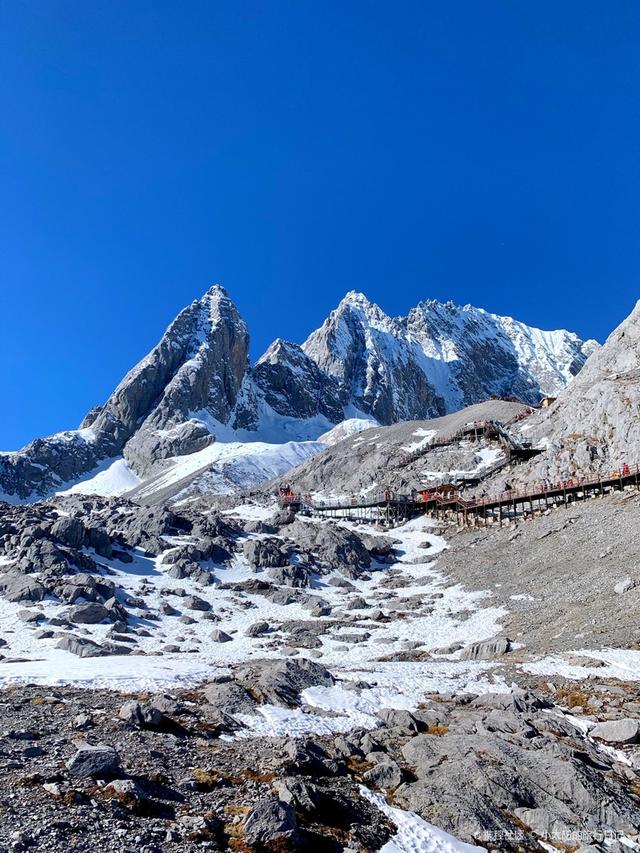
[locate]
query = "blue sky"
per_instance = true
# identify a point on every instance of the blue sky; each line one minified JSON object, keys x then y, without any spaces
{"x":482,"y":152}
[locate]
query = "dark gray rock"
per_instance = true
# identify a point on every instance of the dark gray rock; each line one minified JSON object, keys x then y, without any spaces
{"x":486,"y":649}
{"x":17,"y":587}
{"x":279,"y":682}
{"x":143,"y":714}
{"x":404,"y":721}
{"x":386,"y":775}
{"x":617,"y":731}
{"x":265,"y":552}
{"x":230,"y":698}
{"x":97,"y":762}
{"x":219,"y":636}
{"x":257,"y":629}
{"x":271,"y":822}
{"x":296,"y":576}
{"x":88,"y":614}
{"x":193,"y":602}
{"x":81,"y":646}
{"x":70,"y":531}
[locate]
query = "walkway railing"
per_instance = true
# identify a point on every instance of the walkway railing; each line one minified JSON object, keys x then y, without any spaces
{"x":436,"y":499}
{"x":478,"y":427}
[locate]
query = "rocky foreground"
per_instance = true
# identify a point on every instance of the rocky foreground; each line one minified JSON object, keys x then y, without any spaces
{"x":92,"y":770}
{"x":302,"y":628}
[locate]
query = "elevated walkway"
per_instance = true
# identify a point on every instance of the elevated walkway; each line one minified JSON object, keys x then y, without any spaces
{"x":446,"y":503}
{"x":474,"y":431}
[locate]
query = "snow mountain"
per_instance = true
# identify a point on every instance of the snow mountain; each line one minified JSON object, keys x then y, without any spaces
{"x":439,"y":358}
{"x":197,"y":387}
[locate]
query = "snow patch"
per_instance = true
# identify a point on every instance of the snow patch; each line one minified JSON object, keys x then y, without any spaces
{"x":414,"y":834}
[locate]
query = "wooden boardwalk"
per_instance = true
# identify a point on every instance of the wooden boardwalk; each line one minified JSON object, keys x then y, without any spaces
{"x":394,"y":509}
{"x":475,"y":430}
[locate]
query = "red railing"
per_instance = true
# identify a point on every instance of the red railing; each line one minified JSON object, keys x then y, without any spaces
{"x":444,"y":440}
{"x":534,"y":491}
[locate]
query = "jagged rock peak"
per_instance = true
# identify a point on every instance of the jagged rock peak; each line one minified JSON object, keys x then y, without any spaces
{"x":355,"y":302}
{"x":280,"y":350}
{"x":196,"y":383}
{"x":161,"y":408}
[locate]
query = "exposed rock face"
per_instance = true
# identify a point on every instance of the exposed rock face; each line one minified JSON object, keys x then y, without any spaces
{"x":197,"y":382}
{"x":291,"y":383}
{"x":377,"y":365}
{"x":197,"y":367}
{"x":483,"y":354}
{"x":95,"y":761}
{"x":439,"y":358}
{"x":595,"y":423}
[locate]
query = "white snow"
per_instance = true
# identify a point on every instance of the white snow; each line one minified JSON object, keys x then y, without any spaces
{"x":458,"y":615}
{"x":113,"y":478}
{"x":424,"y":439}
{"x":623,"y":664}
{"x":225,"y":467}
{"x":344,"y":429}
{"x":486,"y":457}
{"x":414,"y":834}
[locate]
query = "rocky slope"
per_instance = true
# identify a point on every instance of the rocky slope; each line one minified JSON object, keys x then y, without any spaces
{"x":313,"y":674}
{"x":594,"y":425}
{"x":197,"y":386}
{"x":197,"y":367}
{"x":372,"y":460}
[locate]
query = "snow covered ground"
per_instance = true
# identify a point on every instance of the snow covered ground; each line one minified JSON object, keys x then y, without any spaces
{"x":424,"y":438}
{"x":451,"y":614}
{"x":113,"y":478}
{"x":343,"y":430}
{"x":623,"y":664}
{"x":236,"y":461}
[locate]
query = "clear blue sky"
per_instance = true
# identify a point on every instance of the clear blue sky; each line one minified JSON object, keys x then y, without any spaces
{"x":486,"y":152}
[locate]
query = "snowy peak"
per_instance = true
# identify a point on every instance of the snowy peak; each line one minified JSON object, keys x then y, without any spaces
{"x":292,"y":385}
{"x":486,"y":354}
{"x":196,"y":385}
{"x":439,"y":358}
{"x":376,"y":363}
{"x":197,"y":366}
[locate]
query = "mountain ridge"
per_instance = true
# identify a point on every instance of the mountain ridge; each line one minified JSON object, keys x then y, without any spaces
{"x":197,"y":385}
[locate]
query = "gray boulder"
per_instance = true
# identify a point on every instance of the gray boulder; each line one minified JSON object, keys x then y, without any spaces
{"x":229,"y":698}
{"x":219,"y":636}
{"x":617,"y":731}
{"x":386,"y":775}
{"x":486,"y":649}
{"x":295,"y":576}
{"x":265,"y":552}
{"x":332,"y":546}
{"x":81,"y":646}
{"x":280,"y":682}
{"x":96,"y":762}
{"x":271,"y":822}
{"x":31,"y":616}
{"x":88,"y":614}
{"x":400,"y":719}
{"x":142,"y":714}
{"x":257,"y":629}
{"x":22,"y":588}
{"x":70,"y":531}
{"x":193,"y":602}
